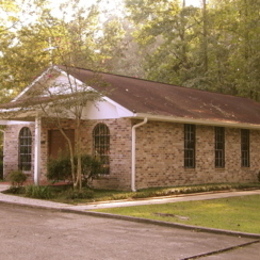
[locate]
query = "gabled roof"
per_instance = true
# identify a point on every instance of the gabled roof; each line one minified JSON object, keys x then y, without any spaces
{"x":155,"y":99}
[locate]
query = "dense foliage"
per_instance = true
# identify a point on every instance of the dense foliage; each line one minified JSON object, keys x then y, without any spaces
{"x":29,"y":46}
{"x":38,"y":192}
{"x":213,"y":47}
{"x":1,"y":155}
{"x":60,"y":168}
{"x":17,"y":178}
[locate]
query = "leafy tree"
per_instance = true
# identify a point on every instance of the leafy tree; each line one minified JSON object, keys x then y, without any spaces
{"x":117,"y":50}
{"x":21,"y":52}
{"x":48,"y":40}
{"x":75,"y":39}
{"x":213,"y":47}
{"x":168,"y":35}
{"x":8,"y":20}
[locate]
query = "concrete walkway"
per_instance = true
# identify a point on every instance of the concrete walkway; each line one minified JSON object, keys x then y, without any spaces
{"x":163,"y":200}
{"x":118,"y":203}
{"x":86,"y":208}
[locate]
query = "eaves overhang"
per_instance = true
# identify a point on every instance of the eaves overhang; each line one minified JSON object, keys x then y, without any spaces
{"x":207,"y":122}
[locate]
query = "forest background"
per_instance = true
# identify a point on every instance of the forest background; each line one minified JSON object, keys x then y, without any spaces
{"x":214,"y":46}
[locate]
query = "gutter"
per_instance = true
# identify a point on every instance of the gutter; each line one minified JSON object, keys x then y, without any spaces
{"x":133,"y":188}
{"x":197,"y":121}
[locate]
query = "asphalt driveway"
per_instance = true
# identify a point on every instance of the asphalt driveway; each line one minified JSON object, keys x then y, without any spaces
{"x":30,"y":233}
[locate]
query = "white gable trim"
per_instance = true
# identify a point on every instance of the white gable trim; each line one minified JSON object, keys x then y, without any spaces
{"x":106,"y":108}
{"x":122,"y":111}
{"x":31,"y":85}
{"x":71,"y":78}
{"x":15,"y":122}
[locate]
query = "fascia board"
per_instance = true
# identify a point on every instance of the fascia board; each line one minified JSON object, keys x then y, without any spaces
{"x":33,"y":83}
{"x":121,"y":111}
{"x":15,"y":122}
{"x":105,"y":109}
{"x":124,"y":112}
{"x":77,"y":81}
{"x":230,"y":124}
{"x":38,"y":79}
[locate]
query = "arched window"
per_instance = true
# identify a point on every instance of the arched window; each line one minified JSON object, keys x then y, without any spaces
{"x":101,"y":143}
{"x":25,"y":149}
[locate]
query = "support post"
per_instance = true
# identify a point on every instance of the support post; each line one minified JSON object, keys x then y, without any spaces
{"x":37,"y":150}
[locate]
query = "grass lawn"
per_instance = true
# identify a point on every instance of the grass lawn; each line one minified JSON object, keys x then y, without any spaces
{"x":234,"y":213}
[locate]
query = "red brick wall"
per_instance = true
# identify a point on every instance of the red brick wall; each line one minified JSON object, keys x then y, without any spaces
{"x":160,"y":152}
{"x":11,"y":143}
{"x":120,"y":150}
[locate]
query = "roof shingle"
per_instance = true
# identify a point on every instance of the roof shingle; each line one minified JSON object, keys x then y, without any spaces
{"x":155,"y":98}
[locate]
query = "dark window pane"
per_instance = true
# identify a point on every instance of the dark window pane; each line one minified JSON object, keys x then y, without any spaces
{"x":101,"y":138}
{"x":219,"y":147}
{"x":25,"y":149}
{"x":189,"y":146}
{"x":245,"y":148}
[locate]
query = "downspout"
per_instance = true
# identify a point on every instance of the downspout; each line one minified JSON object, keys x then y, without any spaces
{"x":133,"y":188}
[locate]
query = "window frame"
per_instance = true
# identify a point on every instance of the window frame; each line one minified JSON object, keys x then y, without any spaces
{"x":189,"y":146}
{"x":101,"y":146}
{"x":220,"y":147}
{"x":25,"y":149}
{"x":245,"y":148}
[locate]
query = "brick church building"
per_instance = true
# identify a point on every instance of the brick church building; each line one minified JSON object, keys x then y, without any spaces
{"x":148,"y":134}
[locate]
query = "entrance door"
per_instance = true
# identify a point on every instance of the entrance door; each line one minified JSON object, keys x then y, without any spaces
{"x":58,"y":145}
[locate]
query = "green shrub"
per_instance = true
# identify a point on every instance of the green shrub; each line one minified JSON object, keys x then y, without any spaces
{"x":17,"y":178}
{"x":1,"y":163}
{"x":1,"y":169}
{"x":91,"y":167}
{"x":15,"y":190}
{"x":143,"y":194}
{"x":38,"y":192}
{"x":121,"y":196}
{"x":79,"y":194}
{"x":60,"y":169}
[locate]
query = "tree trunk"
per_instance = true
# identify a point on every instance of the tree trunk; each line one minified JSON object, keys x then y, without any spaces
{"x":78,"y":154}
{"x":71,"y":152}
{"x":205,"y":36}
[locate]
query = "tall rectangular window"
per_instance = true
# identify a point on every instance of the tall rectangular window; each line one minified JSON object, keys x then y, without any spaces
{"x":25,"y":149}
{"x":101,"y":142}
{"x":189,"y":146}
{"x":245,"y":148}
{"x":219,"y":147}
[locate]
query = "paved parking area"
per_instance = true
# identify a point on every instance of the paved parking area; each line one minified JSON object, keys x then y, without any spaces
{"x":38,"y":229}
{"x":29,"y":234}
